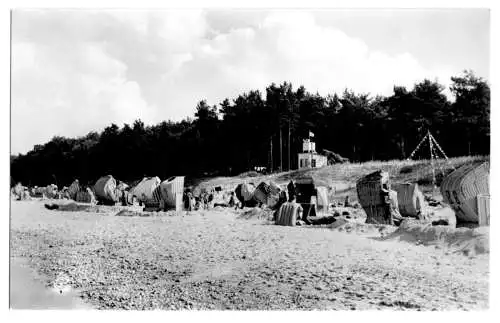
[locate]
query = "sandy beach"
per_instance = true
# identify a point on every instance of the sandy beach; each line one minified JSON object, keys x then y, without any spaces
{"x":219,"y":259}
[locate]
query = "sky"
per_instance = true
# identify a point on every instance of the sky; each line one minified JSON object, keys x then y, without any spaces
{"x":76,"y":71}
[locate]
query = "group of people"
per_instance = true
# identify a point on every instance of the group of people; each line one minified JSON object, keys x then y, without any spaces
{"x":209,"y":199}
{"x":20,"y":192}
{"x":285,"y":200}
{"x":74,"y":192}
{"x":217,"y":197}
{"x":293,"y":213}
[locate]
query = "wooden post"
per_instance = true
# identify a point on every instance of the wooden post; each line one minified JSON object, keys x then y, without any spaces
{"x":310,"y":149}
{"x":288,"y":143}
{"x":271,"y":157}
{"x":281,"y":152}
{"x":432,"y":160}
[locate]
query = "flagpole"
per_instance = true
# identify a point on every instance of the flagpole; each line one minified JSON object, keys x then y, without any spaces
{"x":310,"y":150}
{"x":271,"y":154}
{"x":288,"y":143}
{"x":281,"y":151}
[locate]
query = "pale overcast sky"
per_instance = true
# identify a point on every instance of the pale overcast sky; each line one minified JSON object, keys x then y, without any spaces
{"x":78,"y":71}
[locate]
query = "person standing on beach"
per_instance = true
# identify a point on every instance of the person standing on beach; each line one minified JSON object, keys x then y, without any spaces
{"x":291,"y":191}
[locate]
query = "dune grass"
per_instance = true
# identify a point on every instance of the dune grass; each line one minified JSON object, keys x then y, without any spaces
{"x":342,"y":178}
{"x":414,"y":171}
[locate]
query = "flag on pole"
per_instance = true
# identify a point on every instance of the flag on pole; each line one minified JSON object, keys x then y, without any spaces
{"x":311,"y":135}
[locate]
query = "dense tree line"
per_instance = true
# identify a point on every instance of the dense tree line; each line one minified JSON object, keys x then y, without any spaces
{"x":263,"y":129}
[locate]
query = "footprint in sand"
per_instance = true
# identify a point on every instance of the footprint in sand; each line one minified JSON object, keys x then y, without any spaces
{"x":62,"y":283}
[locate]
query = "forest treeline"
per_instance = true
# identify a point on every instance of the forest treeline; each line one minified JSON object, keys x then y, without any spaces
{"x":240,"y":133}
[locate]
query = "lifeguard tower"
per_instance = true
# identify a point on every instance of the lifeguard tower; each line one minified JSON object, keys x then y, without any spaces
{"x":309,"y":158}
